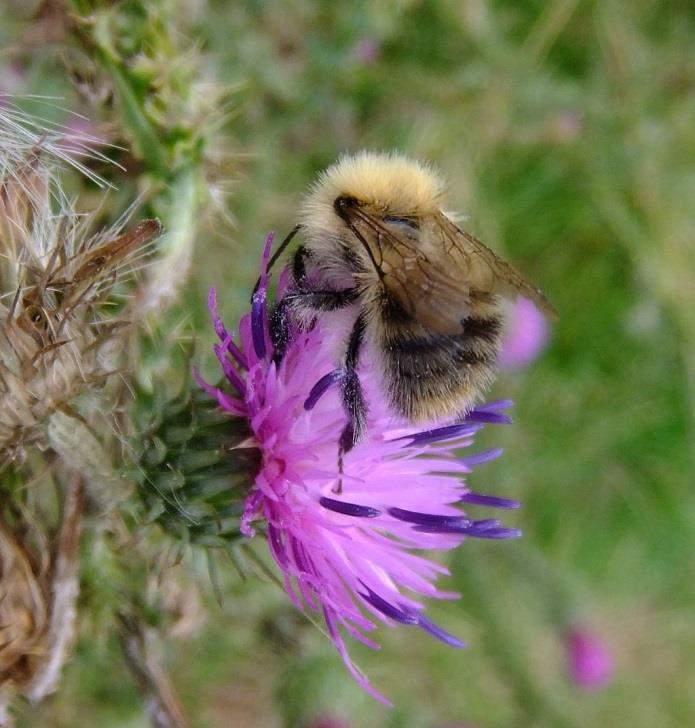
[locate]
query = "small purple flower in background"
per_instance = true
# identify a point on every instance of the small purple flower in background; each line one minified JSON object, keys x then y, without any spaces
{"x":526,"y":336}
{"x":590,"y":662}
{"x":350,"y":556}
{"x":367,"y":51}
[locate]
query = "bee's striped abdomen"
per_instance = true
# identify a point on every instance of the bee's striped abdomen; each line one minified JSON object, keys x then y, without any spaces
{"x":433,"y":375}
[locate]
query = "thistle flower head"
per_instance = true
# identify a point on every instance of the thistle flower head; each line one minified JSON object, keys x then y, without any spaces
{"x":352,"y":556}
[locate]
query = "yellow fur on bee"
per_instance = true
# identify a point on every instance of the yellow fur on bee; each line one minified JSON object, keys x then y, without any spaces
{"x":388,"y":181}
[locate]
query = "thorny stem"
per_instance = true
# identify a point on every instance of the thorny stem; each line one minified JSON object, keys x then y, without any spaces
{"x":557,"y":590}
{"x":179,"y":203}
{"x":95,"y":37}
{"x":146,"y":139}
{"x":179,"y":213}
{"x":159,"y":697}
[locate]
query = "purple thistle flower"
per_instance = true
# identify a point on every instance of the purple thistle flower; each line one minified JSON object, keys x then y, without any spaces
{"x":351,"y":556}
{"x":590,"y":662}
{"x":526,"y":337}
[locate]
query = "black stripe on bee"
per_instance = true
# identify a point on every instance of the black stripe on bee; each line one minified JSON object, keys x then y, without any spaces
{"x":434,"y":354}
{"x":421,"y":355}
{"x":424,"y":368}
{"x":485,"y":329}
{"x":392,"y":311}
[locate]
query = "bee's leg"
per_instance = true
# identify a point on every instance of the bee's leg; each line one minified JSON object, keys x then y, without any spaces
{"x":299,"y":266}
{"x":279,"y":325}
{"x":280,"y":316}
{"x":352,"y":397}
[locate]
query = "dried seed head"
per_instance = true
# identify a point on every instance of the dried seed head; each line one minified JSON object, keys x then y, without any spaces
{"x":61,"y":290}
{"x":80,"y":450}
{"x":39,"y":586}
{"x":24,"y":611}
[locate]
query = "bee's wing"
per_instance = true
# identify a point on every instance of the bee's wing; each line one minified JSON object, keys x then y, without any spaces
{"x":428,"y":293}
{"x":437,"y":281}
{"x":486,"y":272}
{"x":428,"y":289}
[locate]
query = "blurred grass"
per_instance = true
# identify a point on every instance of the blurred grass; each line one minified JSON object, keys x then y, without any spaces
{"x":567,"y":132}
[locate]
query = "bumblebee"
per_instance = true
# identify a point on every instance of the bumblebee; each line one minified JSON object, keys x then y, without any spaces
{"x":429,"y":296}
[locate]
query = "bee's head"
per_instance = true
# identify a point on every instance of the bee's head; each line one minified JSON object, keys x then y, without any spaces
{"x":388,"y":188}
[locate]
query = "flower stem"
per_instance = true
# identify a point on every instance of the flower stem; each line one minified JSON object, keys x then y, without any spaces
{"x":147,"y":142}
{"x":502,"y":643}
{"x":558,"y":591}
{"x":179,"y":211}
{"x":159,"y":697}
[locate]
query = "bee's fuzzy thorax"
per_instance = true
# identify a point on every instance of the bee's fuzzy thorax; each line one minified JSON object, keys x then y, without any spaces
{"x":382,"y":179}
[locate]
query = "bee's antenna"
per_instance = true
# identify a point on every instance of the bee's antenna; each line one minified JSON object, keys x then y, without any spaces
{"x":283,"y":245}
{"x":280,"y":250}
{"x":342,"y":207}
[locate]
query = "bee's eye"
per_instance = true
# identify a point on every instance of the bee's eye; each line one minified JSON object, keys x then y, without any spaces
{"x":344,"y":203}
{"x":410,"y":222}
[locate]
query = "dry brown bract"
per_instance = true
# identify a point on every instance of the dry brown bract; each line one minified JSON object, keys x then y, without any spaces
{"x":24,"y":610}
{"x":60,"y":289}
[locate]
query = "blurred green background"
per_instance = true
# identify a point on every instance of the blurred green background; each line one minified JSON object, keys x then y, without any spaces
{"x":566,"y":130}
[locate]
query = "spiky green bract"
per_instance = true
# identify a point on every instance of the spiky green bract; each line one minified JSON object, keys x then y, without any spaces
{"x":196,"y":467}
